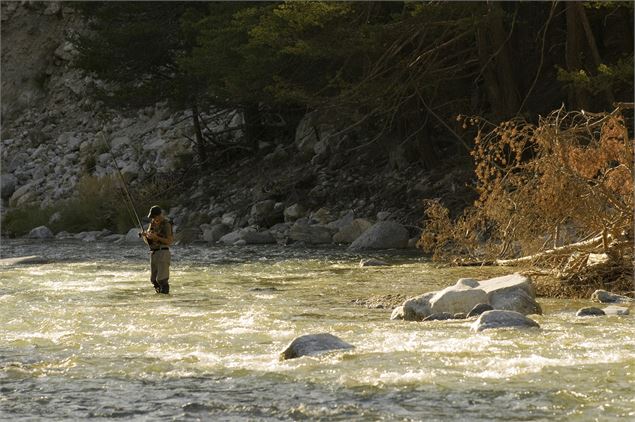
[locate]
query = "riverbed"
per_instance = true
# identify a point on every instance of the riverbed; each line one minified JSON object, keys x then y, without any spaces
{"x":86,"y":337}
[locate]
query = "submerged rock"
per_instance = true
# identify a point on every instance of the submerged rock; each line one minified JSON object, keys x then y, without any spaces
{"x":441,"y":316}
{"x":603,"y":296}
{"x":590,"y":311}
{"x":24,"y":260}
{"x":616,"y":310}
{"x":502,"y":319}
{"x":371,"y":262}
{"x":313,"y":344}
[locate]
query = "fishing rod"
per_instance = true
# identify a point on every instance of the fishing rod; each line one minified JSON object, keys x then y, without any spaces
{"x":127,"y":197}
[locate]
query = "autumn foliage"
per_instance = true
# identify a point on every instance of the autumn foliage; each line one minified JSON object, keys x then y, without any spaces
{"x":546,"y":191}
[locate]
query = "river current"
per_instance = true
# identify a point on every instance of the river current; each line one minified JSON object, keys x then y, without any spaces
{"x":86,"y":337}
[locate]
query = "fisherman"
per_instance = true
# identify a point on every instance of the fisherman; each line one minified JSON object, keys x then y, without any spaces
{"x":159,"y":238}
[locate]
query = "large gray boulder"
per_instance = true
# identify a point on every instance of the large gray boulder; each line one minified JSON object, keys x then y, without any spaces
{"x":254,"y":237}
{"x":41,"y":232}
{"x":247,"y":236}
{"x":265,"y":213}
{"x":415,"y":309}
{"x":382,"y":235}
{"x":8,"y":183}
{"x":213,"y":233}
{"x":314,"y":234}
{"x":294,"y":212}
{"x":350,"y":232}
{"x":457,"y":298}
{"x":230,"y":238}
{"x":133,"y":236}
{"x":603,"y":296}
{"x":502,"y":319}
{"x":514,"y":292}
{"x":313,"y":344}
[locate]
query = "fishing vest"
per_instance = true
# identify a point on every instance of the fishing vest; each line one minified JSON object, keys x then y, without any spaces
{"x":162,"y":229}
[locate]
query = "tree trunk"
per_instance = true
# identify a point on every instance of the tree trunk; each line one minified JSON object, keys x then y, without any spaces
{"x":595,"y":54}
{"x":498,"y":72}
{"x":200,"y":142}
{"x":578,"y":99}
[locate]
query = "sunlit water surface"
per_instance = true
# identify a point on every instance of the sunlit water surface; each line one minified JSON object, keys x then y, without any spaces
{"x":86,"y":337}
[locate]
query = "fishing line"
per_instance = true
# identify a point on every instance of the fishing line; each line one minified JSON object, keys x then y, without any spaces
{"x":129,"y":203}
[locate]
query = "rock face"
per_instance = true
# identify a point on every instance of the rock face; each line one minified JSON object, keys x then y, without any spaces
{"x":502,"y":319}
{"x":313,"y":344}
{"x":41,"y":232}
{"x":382,"y":235}
{"x":603,"y":296}
{"x":512,"y":292}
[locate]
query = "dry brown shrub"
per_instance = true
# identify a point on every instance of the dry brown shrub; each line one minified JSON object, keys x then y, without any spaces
{"x":565,"y":180}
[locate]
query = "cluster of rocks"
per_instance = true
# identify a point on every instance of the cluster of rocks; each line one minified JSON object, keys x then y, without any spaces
{"x":294,"y":224}
{"x":602,"y":296}
{"x":317,"y":229}
{"x":498,"y":302}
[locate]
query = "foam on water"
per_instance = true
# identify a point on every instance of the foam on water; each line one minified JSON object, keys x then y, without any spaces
{"x":211,"y":349}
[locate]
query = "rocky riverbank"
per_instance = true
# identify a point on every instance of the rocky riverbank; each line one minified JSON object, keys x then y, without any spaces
{"x":310,"y":187}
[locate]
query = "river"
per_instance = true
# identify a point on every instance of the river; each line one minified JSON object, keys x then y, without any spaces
{"x":86,"y":337}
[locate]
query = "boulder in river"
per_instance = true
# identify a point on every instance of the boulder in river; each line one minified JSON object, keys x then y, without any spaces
{"x":415,"y":309}
{"x":41,"y":232}
{"x":603,"y":296}
{"x":313,"y":344}
{"x":372,"y":262}
{"x":590,"y":311}
{"x":382,"y":235}
{"x":502,"y":319}
{"x":512,"y":292}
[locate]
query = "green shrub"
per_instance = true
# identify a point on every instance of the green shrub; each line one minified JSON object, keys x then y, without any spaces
{"x":19,"y":221}
{"x":98,"y":204}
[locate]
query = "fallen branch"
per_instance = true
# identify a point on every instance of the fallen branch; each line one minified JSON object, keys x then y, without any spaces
{"x":549,"y":253}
